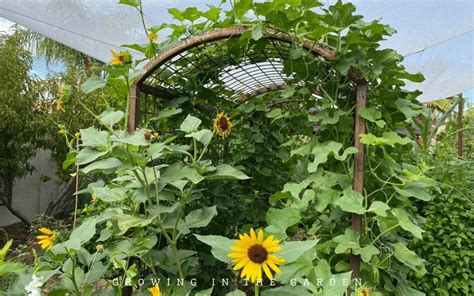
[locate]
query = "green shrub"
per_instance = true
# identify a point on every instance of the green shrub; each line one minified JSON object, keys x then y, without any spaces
{"x":448,"y":242}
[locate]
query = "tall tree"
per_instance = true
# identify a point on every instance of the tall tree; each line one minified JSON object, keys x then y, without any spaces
{"x":21,"y":123}
{"x":53,"y":51}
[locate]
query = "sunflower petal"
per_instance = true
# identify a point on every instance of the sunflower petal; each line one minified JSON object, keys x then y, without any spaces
{"x":267,"y":271}
{"x":273,"y":266}
{"x":46,"y":230}
{"x":253,"y":236}
{"x":259,"y":272}
{"x":241,"y":264}
{"x":260,"y":236}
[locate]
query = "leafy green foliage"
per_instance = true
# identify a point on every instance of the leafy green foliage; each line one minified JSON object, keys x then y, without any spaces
{"x":448,"y":241}
{"x":18,"y":99}
{"x":287,"y":165}
{"x":22,"y":125}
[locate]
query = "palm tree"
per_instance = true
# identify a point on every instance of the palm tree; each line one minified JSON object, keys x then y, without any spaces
{"x":53,"y":51}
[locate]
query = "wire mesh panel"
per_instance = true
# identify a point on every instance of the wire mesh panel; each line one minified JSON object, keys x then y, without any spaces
{"x":229,"y":72}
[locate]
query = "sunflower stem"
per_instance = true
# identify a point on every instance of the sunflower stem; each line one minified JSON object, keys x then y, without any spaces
{"x":257,"y":289}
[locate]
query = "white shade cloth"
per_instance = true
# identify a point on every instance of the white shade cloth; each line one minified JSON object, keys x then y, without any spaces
{"x":436,"y":36}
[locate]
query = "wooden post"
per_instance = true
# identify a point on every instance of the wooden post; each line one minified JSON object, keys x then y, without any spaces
{"x":460,"y":113}
{"x":133,"y":101}
{"x":358,"y":178}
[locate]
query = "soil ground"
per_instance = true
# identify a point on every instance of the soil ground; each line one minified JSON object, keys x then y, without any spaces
{"x":23,"y":242}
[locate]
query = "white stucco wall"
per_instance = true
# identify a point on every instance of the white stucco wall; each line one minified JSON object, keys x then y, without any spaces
{"x":31,"y":195}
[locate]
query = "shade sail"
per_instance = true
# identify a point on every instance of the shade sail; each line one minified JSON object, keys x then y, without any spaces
{"x":436,"y":36}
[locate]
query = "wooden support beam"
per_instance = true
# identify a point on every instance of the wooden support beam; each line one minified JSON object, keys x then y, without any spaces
{"x":460,"y":123}
{"x":133,"y":102}
{"x":358,"y":177}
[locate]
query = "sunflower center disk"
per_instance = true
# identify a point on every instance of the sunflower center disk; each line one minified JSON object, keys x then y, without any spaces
{"x":223,"y":123}
{"x":257,"y":253}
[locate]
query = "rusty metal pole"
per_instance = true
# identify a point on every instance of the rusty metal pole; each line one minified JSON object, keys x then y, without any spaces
{"x":358,"y":178}
{"x":460,"y":113}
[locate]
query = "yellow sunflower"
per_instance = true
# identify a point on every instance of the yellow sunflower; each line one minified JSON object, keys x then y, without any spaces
{"x":363,"y":292}
{"x":59,"y":105}
{"x":119,"y":58}
{"x":155,"y":290}
{"x":222,"y":125}
{"x":47,"y":238}
{"x":152,"y":37}
{"x":253,"y":253}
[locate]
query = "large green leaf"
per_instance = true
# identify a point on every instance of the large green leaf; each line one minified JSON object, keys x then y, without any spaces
{"x":409,"y":258}
{"x":412,"y":190}
{"x":293,"y":250}
{"x":379,"y":208}
{"x":367,"y":252}
{"x":408,"y":108}
{"x":111,"y":117}
{"x":85,"y":231}
{"x":323,"y":150}
{"x":11,"y":267}
{"x":204,"y":136}
{"x":91,"y":137}
{"x":279,"y":220}
{"x":372,"y":115}
{"x":125,"y":222}
{"x":200,"y":217}
{"x":351,"y":201}
{"x":70,"y":159}
{"x":279,"y":19}
{"x":390,"y":138}
{"x":109,"y":194}
{"x":137,"y":138}
{"x":190,"y":124}
{"x":220,"y":246}
{"x":405,"y":222}
{"x":92,"y":83}
{"x":88,"y":154}
{"x":179,"y":171}
{"x":345,"y":242}
{"x":107,"y":165}
{"x":326,"y":116}
{"x":300,"y":268}
{"x":225,"y":171}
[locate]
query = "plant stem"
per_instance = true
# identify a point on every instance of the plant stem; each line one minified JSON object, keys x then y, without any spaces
{"x":383,"y":232}
{"x":257,"y":292}
{"x":204,"y":150}
{"x":177,"y":261}
{"x":73,"y":279}
{"x":77,"y":189}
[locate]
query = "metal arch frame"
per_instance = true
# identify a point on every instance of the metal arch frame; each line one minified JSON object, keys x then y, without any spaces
{"x":318,"y":49}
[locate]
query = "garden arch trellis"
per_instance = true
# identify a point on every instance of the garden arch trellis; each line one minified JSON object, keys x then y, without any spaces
{"x":239,"y":79}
